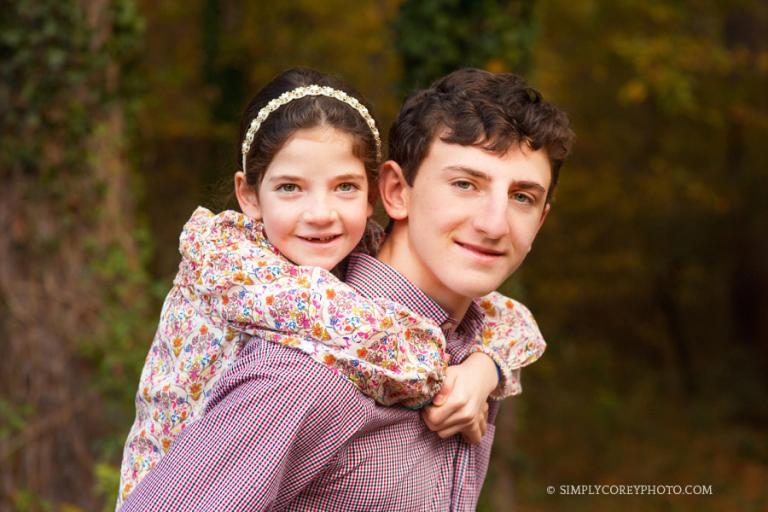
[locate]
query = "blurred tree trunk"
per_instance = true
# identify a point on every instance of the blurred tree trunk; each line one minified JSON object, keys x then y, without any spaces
{"x":666,"y":289}
{"x":69,"y":263}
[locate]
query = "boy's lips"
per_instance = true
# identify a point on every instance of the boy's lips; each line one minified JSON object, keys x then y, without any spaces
{"x":479,"y":250}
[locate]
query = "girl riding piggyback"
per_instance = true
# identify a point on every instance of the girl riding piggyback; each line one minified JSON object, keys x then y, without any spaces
{"x":309,"y":153}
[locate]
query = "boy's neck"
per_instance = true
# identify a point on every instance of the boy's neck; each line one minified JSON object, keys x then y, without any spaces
{"x":396,"y":251}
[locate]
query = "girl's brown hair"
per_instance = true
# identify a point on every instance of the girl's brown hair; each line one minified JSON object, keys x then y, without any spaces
{"x":304,"y":113}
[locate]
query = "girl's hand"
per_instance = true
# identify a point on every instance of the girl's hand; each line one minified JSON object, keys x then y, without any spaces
{"x":461,"y":404}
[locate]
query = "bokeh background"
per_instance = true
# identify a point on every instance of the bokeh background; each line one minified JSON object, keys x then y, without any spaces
{"x":649,"y":279}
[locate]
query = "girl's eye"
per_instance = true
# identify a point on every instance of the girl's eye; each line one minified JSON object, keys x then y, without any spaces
{"x":288,"y":187}
{"x":347,"y":187}
{"x":463,"y":185}
{"x":522,"y":198}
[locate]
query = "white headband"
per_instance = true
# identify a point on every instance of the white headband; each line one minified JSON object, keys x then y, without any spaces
{"x":301,"y":92}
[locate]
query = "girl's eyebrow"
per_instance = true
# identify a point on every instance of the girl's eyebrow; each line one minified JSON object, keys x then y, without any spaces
{"x":292,"y":177}
{"x":285,"y":177}
{"x":351,"y":177}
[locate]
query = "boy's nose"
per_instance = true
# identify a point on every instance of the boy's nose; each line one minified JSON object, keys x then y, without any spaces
{"x":491,"y":218}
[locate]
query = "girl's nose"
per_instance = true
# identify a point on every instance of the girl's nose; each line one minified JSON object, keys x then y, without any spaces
{"x":320,"y":211}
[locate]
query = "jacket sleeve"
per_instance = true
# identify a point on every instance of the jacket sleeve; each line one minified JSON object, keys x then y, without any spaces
{"x":511,"y":337}
{"x":392,"y":354}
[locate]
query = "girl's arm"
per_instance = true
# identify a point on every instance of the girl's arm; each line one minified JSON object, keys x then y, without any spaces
{"x":510,"y":339}
{"x":235,"y":274}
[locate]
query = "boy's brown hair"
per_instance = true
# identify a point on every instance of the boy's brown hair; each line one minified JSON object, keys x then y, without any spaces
{"x":472,"y":107}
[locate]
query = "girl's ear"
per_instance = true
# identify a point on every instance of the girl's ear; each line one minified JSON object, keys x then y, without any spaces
{"x":394,"y":190}
{"x":247,"y":197}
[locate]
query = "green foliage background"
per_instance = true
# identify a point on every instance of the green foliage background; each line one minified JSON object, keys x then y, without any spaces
{"x":649,"y":278}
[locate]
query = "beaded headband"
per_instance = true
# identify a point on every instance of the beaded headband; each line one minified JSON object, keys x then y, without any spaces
{"x":301,"y":92}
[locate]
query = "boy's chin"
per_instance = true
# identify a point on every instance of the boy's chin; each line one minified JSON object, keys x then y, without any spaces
{"x":475,"y":284}
{"x":482,"y":293}
{"x":475,"y":290}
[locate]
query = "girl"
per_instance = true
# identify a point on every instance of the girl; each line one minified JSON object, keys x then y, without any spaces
{"x":310,"y":150}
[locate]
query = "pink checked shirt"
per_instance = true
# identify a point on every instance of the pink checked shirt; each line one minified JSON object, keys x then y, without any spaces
{"x":285,"y":432}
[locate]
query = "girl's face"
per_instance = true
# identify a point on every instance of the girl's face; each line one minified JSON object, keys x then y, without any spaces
{"x":313,"y":199}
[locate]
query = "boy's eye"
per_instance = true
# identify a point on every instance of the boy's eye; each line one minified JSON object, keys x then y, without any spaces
{"x":347,"y":187}
{"x":522,"y":198}
{"x":463,"y":185}
{"x":288,"y":187}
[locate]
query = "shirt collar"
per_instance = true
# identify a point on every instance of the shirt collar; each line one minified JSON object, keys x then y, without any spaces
{"x":374,"y":278}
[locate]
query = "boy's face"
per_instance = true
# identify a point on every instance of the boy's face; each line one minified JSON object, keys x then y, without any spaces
{"x":471,"y":217}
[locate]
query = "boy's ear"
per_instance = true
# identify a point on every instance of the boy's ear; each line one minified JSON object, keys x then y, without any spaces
{"x":394,"y":190}
{"x":544,"y":214}
{"x":247,"y":197}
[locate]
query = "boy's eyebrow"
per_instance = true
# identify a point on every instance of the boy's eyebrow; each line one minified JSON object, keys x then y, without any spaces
{"x":526,"y":185}
{"x":468,"y":170}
